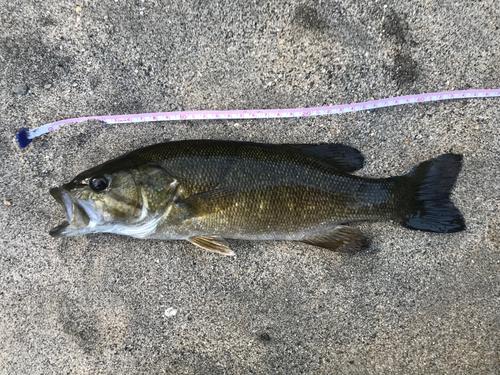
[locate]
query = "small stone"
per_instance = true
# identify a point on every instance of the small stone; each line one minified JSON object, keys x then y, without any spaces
{"x":476,"y":127}
{"x":6,"y":202}
{"x":47,"y":86}
{"x":20,"y":89}
{"x":78,"y":9}
{"x":170,"y":312}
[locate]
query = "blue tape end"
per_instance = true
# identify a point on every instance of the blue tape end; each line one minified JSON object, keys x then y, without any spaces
{"x":22,"y":138}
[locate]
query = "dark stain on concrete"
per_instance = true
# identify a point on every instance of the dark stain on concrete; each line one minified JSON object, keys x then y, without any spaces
{"x":264,"y":337}
{"x":79,"y":324}
{"x":405,"y":70}
{"x":35,"y":61}
{"x":396,"y":28}
{"x":308,"y":18}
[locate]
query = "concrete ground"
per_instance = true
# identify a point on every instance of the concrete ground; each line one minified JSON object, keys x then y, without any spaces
{"x":414,"y":303}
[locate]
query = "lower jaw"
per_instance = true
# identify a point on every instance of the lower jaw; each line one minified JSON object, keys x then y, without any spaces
{"x":58,"y":231}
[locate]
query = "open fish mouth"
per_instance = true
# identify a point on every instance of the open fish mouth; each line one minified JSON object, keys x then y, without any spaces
{"x":76,"y":216}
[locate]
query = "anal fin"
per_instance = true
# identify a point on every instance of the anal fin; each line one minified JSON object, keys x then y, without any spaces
{"x":212,"y":243}
{"x":342,"y":239}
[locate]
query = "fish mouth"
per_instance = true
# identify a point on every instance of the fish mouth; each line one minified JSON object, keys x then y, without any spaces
{"x":76,"y":216}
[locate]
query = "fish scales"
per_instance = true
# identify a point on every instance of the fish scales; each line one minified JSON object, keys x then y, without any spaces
{"x":267,"y":191}
{"x":207,"y":191}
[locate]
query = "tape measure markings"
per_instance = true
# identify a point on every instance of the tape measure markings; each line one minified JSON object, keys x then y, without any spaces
{"x":25,"y":136}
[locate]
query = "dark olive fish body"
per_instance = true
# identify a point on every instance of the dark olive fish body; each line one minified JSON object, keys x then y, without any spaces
{"x":206,"y":191}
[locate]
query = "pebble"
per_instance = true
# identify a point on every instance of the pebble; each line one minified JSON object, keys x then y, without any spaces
{"x":6,"y":202}
{"x":170,"y":312}
{"x":20,"y":89}
{"x":78,"y":9}
{"x":48,"y":86}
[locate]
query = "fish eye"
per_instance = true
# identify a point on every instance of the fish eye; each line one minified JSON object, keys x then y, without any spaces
{"x":98,"y":183}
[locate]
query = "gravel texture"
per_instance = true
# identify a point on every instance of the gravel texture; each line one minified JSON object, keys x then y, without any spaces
{"x":414,"y":303}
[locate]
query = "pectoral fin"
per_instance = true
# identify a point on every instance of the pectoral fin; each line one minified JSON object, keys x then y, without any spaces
{"x":212,"y":243}
{"x":208,"y":202}
{"x":342,"y":238}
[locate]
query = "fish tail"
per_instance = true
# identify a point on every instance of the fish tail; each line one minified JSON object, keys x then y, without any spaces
{"x":427,"y":190}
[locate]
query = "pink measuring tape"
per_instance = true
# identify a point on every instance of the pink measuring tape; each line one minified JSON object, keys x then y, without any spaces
{"x":25,"y":136}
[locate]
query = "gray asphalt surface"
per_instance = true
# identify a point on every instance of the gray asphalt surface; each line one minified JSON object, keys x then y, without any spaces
{"x":414,"y":303}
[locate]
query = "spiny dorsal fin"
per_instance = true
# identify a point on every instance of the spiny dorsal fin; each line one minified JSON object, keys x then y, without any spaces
{"x":212,"y":243}
{"x":342,"y":238}
{"x":343,"y":158}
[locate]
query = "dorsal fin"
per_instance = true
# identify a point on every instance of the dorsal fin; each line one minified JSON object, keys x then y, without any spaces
{"x":341,"y":157}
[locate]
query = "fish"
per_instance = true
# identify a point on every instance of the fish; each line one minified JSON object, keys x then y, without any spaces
{"x":209,"y":191}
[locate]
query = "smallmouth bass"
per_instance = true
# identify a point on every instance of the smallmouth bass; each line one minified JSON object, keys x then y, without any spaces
{"x":208,"y":191}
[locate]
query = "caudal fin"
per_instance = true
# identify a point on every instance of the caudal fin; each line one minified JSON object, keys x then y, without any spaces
{"x":429,"y":187}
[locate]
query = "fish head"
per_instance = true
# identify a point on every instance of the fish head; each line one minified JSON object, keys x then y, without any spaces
{"x":113,"y":200}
